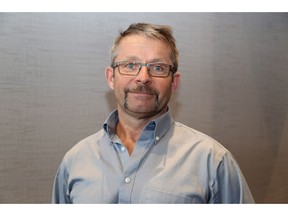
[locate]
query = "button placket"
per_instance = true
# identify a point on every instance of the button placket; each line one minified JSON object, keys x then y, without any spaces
{"x":132,"y":166}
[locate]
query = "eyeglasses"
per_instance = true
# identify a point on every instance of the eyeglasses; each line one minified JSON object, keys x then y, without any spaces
{"x":133,"y":68}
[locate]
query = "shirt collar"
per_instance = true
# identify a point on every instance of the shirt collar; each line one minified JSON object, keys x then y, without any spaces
{"x":110,"y":123}
{"x":160,"y":125}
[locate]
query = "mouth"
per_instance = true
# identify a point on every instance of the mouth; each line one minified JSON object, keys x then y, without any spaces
{"x":142,"y":94}
{"x":142,"y":90}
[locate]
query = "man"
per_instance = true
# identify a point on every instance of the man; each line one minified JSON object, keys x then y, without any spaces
{"x":142,"y":155}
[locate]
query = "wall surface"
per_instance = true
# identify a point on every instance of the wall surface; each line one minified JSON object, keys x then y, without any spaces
{"x":53,"y":91}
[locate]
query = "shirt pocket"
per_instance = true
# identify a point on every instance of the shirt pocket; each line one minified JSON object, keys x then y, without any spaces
{"x":158,"y":196}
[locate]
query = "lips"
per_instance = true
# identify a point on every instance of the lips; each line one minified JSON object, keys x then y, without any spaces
{"x":141,"y":93}
{"x":142,"y":96}
{"x":142,"y":90}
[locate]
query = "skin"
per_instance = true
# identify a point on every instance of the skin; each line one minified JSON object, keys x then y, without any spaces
{"x":140,"y":98}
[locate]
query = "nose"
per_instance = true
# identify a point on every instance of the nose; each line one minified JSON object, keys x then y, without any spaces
{"x":143,"y":76}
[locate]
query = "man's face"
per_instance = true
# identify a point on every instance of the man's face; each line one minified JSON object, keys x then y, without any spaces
{"x":142,"y":95}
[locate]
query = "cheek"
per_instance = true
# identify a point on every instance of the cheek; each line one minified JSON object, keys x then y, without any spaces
{"x":165,"y":91}
{"x":119,"y":88}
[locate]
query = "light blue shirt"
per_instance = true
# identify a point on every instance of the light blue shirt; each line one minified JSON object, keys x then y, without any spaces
{"x":171,"y":163}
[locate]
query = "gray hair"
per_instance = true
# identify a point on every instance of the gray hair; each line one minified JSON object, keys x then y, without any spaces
{"x":160,"y":32}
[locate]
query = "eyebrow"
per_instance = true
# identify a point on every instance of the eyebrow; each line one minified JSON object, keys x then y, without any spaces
{"x":137,"y":59}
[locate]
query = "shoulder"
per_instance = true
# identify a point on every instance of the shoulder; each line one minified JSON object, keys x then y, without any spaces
{"x":204,"y":149}
{"x":200,"y":142}
{"x":86,"y":147}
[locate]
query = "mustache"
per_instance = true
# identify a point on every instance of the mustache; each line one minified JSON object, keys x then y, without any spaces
{"x":142,"y":89}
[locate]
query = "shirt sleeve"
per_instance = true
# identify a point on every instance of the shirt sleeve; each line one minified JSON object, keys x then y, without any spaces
{"x":230,"y":185}
{"x":60,"y":186}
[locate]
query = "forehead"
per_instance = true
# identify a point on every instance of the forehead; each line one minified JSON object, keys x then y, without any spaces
{"x":143,"y":48}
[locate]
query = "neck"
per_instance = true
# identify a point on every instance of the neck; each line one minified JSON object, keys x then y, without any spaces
{"x":129,"y":128}
{"x":128,"y":134}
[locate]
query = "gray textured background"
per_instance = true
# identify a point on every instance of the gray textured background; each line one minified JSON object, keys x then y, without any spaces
{"x":53,"y":92}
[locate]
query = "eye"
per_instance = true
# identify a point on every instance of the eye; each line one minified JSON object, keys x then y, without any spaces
{"x":158,"y":68}
{"x":130,"y":66}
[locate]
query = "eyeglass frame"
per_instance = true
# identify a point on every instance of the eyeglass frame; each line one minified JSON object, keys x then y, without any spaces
{"x":117,"y":64}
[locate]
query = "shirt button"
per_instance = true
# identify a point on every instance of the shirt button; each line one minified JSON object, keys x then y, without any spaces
{"x":122,"y":148}
{"x":127,"y":180}
{"x":157,"y":138}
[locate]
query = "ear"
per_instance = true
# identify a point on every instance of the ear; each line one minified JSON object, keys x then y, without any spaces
{"x":109,"y":77}
{"x":175,"y":81}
